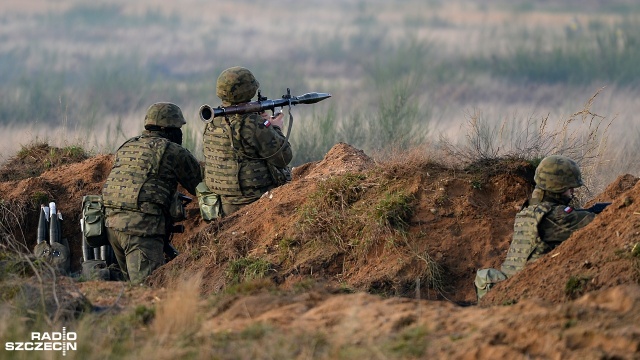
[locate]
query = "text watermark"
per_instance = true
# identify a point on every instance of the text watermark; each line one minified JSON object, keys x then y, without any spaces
{"x":46,"y":341}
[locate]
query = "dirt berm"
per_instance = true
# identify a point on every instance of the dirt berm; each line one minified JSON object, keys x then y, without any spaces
{"x":372,"y":250}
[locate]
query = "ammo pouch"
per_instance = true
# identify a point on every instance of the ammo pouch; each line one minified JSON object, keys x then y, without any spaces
{"x":486,"y":279}
{"x":209,"y":202}
{"x":176,"y":209}
{"x":92,"y":222}
{"x":280,"y":176}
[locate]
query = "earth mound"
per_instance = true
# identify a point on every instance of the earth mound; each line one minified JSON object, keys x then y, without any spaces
{"x":417,"y":229}
{"x":34,"y":159}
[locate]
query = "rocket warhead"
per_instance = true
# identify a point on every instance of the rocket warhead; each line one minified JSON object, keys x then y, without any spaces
{"x":312,"y":98}
{"x":43,"y":226}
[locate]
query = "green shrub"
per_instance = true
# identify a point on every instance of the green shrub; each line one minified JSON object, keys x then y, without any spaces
{"x":247,"y":268}
{"x":395,"y":210}
{"x":576,"y":286}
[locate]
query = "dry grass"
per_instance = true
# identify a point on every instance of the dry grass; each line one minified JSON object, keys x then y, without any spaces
{"x":178,"y":318}
{"x":582,"y":136}
{"x":12,"y":216}
{"x":32,"y":160}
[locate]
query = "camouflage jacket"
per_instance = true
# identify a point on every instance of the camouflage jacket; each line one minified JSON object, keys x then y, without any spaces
{"x":140,"y":187}
{"x":241,"y":154}
{"x":539,"y":228}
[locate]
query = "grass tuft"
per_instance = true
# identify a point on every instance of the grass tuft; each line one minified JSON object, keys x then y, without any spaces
{"x":395,"y":210}
{"x":247,"y":268}
{"x":575,"y":286}
{"x":34,"y":159}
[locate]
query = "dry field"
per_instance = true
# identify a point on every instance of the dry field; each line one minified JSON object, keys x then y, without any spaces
{"x":112,"y":59}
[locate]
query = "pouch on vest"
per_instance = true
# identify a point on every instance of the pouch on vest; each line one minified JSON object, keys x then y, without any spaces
{"x":92,"y":221}
{"x":209,"y":202}
{"x":280,"y":176}
{"x":486,"y":279}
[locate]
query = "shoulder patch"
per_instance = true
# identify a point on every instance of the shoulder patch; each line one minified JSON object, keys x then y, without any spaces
{"x":568,"y":209}
{"x":266,"y":123}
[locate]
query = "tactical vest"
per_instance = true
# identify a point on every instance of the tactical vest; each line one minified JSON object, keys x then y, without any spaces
{"x":526,"y":244}
{"x":136,"y":167}
{"x":230,"y":169}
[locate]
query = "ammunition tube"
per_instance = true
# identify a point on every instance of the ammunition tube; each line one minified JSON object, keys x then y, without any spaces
{"x":43,"y":227}
{"x":54,"y":224}
{"x":103,"y":252}
{"x":87,"y":252}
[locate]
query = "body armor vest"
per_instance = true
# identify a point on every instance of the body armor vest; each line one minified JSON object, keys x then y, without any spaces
{"x":526,"y":244}
{"x":231,"y":169}
{"x":134,"y":177}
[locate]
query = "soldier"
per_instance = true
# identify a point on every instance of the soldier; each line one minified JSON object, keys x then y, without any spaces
{"x":547,"y":219}
{"x":245,"y":155}
{"x":141,"y":187}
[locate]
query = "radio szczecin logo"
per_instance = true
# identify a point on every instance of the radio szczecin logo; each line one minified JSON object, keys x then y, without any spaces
{"x":53,"y":341}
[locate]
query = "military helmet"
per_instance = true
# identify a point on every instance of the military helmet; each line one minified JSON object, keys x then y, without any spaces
{"x":236,"y":85}
{"x":557,"y":174}
{"x":164,"y":114}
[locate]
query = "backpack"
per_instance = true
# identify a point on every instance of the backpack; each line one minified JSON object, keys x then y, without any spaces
{"x":486,"y":279}
{"x":92,"y":224}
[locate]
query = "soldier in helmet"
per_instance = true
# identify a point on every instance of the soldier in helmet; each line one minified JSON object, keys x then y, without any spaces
{"x":141,"y":187}
{"x":245,"y":155}
{"x":547,"y":219}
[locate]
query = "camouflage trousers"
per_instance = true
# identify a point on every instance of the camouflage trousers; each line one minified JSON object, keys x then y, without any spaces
{"x":137,"y":256}
{"x":231,"y":204}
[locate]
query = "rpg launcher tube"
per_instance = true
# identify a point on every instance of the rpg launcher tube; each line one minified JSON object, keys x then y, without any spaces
{"x":207,"y":113}
{"x":43,"y":226}
{"x":54,"y":224}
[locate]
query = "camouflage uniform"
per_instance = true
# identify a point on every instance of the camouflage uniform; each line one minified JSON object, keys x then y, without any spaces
{"x":245,"y":156}
{"x":547,"y":219}
{"x":139,"y":190}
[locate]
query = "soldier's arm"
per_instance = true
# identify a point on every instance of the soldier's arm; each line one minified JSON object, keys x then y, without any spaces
{"x":268,"y":139}
{"x":561,"y":223}
{"x":577,"y":219}
{"x":187,"y":169}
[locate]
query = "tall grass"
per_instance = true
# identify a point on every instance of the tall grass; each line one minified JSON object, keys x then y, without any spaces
{"x":314,"y":136}
{"x":584,"y":54}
